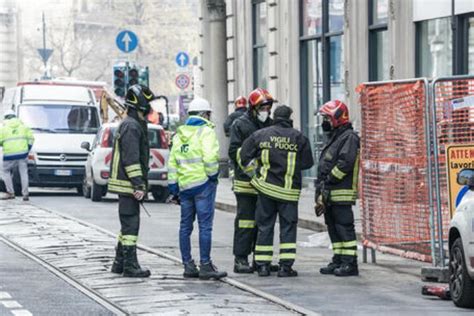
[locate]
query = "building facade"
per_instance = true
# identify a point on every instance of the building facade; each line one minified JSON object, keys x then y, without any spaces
{"x":307,"y":52}
{"x":11,"y":63}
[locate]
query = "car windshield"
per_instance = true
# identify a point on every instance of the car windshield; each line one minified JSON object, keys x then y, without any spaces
{"x":154,"y":138}
{"x":70,"y":119}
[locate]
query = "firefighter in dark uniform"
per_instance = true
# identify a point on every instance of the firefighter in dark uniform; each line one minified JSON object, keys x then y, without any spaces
{"x":282,"y":152}
{"x":245,"y":231}
{"x":240,"y":109}
{"x":129,"y":178}
{"x":336,"y":187}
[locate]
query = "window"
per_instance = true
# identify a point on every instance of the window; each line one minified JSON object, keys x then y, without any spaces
{"x":470,"y":45}
{"x":260,"y":55}
{"x":434,"y":48}
{"x":336,"y":15}
{"x":379,"y":68}
{"x":322,"y":63}
{"x":336,"y":67}
{"x":66,"y":119}
{"x":312,"y":17}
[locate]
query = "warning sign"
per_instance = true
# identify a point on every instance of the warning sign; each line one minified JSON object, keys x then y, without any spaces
{"x":458,"y":157}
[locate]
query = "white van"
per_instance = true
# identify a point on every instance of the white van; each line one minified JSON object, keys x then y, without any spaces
{"x":61,"y":117}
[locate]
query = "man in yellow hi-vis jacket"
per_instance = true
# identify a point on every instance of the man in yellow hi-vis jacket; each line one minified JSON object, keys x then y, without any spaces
{"x":193,"y":168}
{"x":16,"y":140}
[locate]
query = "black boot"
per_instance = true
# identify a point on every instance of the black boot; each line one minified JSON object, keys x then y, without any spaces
{"x":329,"y":269}
{"x":131,"y":268}
{"x":241,"y":265}
{"x":286,"y":271}
{"x":347,"y":269}
{"x":191,"y":270}
{"x":209,"y":271}
{"x":271,"y":267}
{"x":117,"y":266}
{"x":274,"y":267}
{"x":263,"y":270}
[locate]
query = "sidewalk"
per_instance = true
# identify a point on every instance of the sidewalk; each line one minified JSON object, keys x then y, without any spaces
{"x":225,"y":201}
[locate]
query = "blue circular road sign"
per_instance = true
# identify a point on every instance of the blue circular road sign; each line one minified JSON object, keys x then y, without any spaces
{"x":127,"y":41}
{"x":182,"y":59}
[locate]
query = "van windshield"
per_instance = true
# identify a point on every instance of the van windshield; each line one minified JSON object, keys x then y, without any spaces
{"x":70,"y":119}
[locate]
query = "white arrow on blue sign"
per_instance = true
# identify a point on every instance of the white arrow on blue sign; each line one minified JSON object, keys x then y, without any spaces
{"x":127,"y":41}
{"x":182,"y":59}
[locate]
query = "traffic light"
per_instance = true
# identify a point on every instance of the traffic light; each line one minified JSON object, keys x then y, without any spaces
{"x":132,"y":77}
{"x":120,"y":87}
{"x":127,"y":75}
{"x":144,"y":78}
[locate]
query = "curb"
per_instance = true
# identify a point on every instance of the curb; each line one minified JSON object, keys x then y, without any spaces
{"x":302,"y":222}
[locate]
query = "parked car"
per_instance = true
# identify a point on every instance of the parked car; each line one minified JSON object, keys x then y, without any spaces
{"x":100,"y":155}
{"x":461,"y":244}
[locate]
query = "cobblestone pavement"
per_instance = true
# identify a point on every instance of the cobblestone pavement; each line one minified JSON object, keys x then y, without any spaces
{"x":83,"y":253}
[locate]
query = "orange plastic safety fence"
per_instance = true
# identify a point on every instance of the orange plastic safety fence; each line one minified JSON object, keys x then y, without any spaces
{"x":455,"y":126}
{"x":393,"y":187}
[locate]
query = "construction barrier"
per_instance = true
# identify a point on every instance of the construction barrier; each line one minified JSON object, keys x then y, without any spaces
{"x":394,"y":191}
{"x":452,"y":126}
{"x":408,"y":128}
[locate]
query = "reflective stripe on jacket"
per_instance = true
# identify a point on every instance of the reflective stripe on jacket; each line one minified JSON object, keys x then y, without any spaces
{"x":194,"y":157}
{"x":130,"y":156}
{"x":16,"y":139}
{"x":282,"y":153}
{"x":339,"y":166}
{"x":240,"y":130}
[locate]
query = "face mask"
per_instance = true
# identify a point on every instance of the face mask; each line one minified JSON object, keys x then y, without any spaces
{"x":326,"y":126}
{"x":262,"y":116}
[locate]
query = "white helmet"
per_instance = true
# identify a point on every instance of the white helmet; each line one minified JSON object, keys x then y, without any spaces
{"x":9,"y":114}
{"x":199,"y":105}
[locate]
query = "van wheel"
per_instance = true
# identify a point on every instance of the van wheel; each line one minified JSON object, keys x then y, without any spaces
{"x":86,"y":189}
{"x":160,"y":194}
{"x":460,"y":284}
{"x":96,"y":192}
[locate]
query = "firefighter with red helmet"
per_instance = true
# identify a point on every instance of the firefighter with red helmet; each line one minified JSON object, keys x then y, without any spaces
{"x":245,"y":233}
{"x":336,"y":187}
{"x":240,"y":105}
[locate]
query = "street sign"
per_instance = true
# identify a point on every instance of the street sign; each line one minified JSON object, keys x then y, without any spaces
{"x":127,"y":41}
{"x":182,"y":59}
{"x":182,"y":81}
{"x":458,"y":157}
{"x":45,"y":53}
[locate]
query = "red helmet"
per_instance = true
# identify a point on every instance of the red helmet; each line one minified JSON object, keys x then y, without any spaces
{"x":259,"y":97}
{"x":240,"y":102}
{"x":337,"y":112}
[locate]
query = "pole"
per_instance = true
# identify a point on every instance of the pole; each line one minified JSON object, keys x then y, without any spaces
{"x":44,"y":48}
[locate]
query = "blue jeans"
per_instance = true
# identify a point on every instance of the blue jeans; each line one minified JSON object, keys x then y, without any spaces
{"x":201,"y":205}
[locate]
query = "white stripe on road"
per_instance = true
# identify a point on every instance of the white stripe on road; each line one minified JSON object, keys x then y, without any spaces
{"x":11,"y":304}
{"x":21,"y":312}
{"x":14,"y":307}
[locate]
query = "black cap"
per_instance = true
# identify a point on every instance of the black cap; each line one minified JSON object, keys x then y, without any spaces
{"x":283,"y":112}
